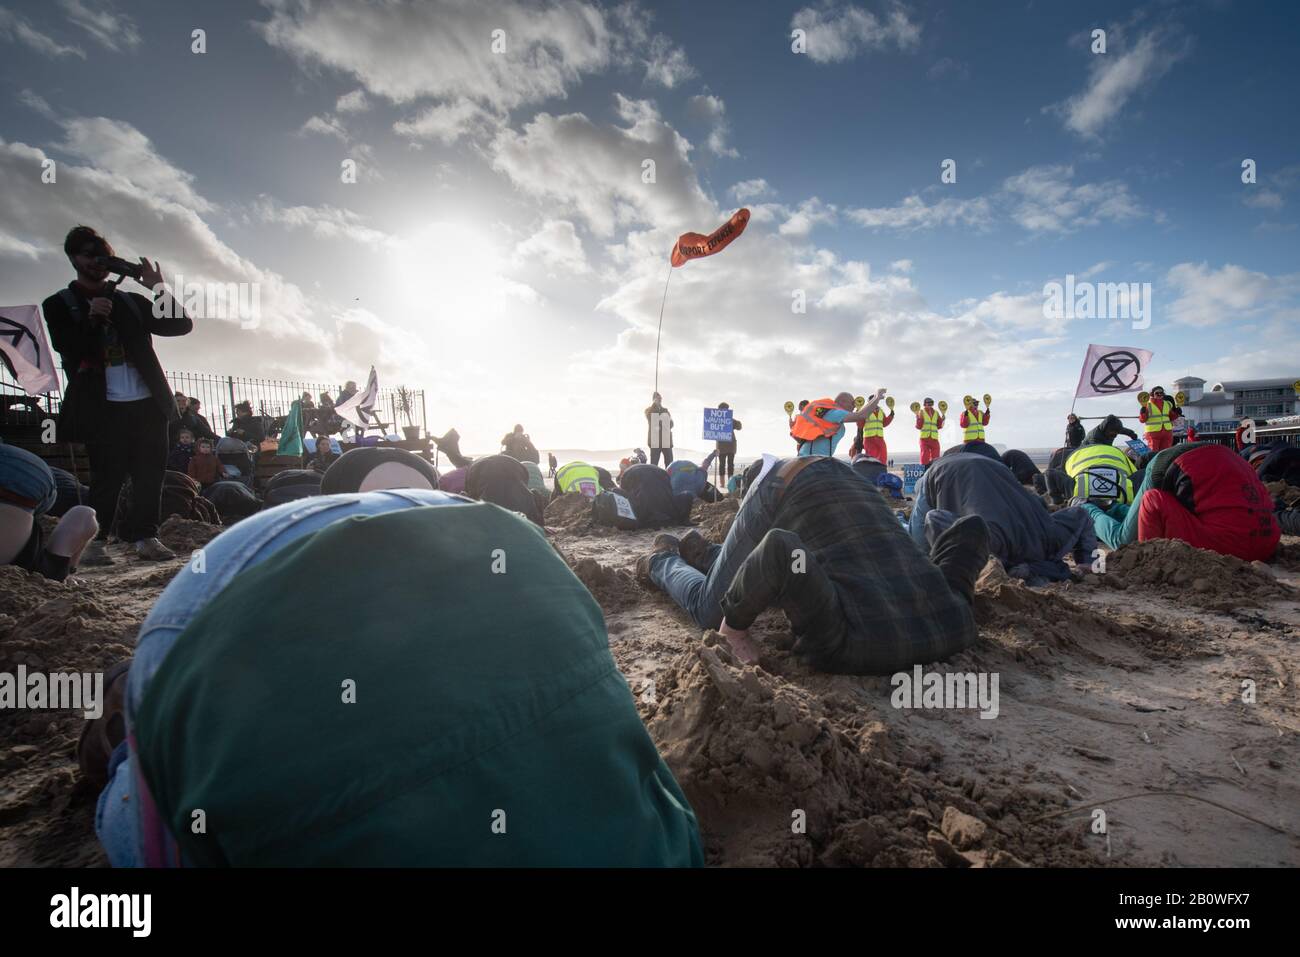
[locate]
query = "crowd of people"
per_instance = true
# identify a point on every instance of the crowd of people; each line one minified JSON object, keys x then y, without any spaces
{"x":868,"y":589}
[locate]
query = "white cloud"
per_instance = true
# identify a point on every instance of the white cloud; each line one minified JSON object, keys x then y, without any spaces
{"x":712,"y":109}
{"x":35,"y":101}
{"x":1114,"y":78}
{"x":1209,"y":297}
{"x":1096,"y":269}
{"x":749,"y":189}
{"x":107,"y":26}
{"x":444,"y":52}
{"x":915,"y":213}
{"x":354,"y":102}
{"x":1258,"y":198}
{"x":118,"y":148}
{"x":595,"y":171}
{"x":16,"y":29}
{"x":448,"y":122}
{"x":328,"y":222}
{"x":809,"y":214}
{"x":326,"y":126}
{"x":556,"y":245}
{"x":837,"y":32}
{"x":901,"y":265}
{"x":11,"y":247}
{"x":1044,"y":199}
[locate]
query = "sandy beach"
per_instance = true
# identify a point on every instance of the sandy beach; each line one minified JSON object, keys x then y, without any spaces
{"x":1123,"y":692}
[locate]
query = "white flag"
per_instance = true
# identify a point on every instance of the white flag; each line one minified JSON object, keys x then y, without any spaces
{"x":360,"y":409}
{"x":1109,"y":370}
{"x":26,"y":350}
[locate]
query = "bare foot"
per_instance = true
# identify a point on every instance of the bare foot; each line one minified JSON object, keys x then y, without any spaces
{"x":741,"y":646}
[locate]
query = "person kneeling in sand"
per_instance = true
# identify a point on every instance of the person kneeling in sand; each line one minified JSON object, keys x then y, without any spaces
{"x":451,"y":700}
{"x":816,"y":540}
{"x":28,"y":491}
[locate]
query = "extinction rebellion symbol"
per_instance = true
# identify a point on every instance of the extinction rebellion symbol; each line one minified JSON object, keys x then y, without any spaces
{"x":1116,"y":372}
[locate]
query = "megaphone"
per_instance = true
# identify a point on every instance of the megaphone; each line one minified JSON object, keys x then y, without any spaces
{"x":943,"y":405}
{"x":1143,"y":397}
{"x":889,"y":401}
{"x":915,"y":407}
{"x":858,"y":402}
{"x":988,"y":400}
{"x":1180,"y":398}
{"x":789,"y":408}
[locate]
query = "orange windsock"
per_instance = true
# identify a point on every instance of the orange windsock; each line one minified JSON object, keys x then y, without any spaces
{"x":696,"y":245}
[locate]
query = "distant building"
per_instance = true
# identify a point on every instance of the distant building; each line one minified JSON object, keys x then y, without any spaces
{"x":1273,"y":404}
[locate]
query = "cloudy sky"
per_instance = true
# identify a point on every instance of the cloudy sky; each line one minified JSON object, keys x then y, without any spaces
{"x":501,"y":248}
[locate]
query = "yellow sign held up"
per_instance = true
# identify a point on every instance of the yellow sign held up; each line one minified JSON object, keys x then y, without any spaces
{"x":789,"y":408}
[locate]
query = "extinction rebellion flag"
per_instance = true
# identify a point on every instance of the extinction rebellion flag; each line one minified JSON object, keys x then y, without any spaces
{"x":25,"y":351}
{"x":1109,"y":370}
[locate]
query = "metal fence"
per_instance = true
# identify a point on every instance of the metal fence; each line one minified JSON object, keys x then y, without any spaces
{"x":218,"y":395}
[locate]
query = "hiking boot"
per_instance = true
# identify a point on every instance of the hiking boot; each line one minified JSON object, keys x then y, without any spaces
{"x":694,"y":549}
{"x":663,"y":543}
{"x":152,"y":550}
{"x":96,"y":554}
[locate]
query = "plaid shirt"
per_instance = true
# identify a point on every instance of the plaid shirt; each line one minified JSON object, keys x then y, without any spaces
{"x":887,"y":606}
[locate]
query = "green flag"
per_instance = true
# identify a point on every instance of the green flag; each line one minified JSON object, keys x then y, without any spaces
{"x":291,"y":434}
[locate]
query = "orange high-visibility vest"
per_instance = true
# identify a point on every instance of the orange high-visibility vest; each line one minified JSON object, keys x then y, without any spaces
{"x":809,"y":425}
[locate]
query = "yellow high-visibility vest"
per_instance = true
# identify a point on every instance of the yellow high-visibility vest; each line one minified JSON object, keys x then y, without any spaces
{"x":578,"y":477}
{"x":1158,"y":419}
{"x":929,"y":424}
{"x":1101,"y":471}
{"x":975,"y":428}
{"x":873,"y":427}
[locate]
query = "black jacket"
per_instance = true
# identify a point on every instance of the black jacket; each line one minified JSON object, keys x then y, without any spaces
{"x":80,"y":346}
{"x":1073,"y":435}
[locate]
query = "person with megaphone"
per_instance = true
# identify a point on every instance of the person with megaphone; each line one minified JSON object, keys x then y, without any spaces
{"x":929,"y":422}
{"x":973,"y":420}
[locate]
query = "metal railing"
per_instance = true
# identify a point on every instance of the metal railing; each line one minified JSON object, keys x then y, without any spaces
{"x":218,"y":395}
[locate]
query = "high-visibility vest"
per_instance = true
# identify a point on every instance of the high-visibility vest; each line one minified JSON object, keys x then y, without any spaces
{"x":929,"y":424}
{"x":873,"y":427}
{"x":578,"y":477}
{"x":974,"y":426}
{"x":809,"y":425}
{"x":1158,"y":416}
{"x":1101,"y":471}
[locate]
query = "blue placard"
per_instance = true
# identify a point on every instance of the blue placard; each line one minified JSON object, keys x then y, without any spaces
{"x":717,"y":425}
{"x":911,"y":475}
{"x":1140,"y":447}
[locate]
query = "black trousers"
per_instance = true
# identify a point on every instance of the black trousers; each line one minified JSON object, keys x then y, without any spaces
{"x":667,"y":456}
{"x":726,"y":464}
{"x":132,"y":441}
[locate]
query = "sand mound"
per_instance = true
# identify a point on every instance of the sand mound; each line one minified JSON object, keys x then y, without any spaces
{"x":1206,"y":579}
{"x":183,"y":536}
{"x":570,"y":511}
{"x":715,"y":518}
{"x":783,"y":774}
{"x":613,"y":590}
{"x":1037,"y":626}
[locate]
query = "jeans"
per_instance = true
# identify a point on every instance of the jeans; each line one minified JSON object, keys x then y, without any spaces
{"x":700,"y":594}
{"x":133,"y":442}
{"x":123,"y":823}
{"x":27,"y":478}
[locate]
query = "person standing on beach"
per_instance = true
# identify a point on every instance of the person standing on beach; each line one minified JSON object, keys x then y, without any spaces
{"x":726,"y":449}
{"x":819,"y":426}
{"x":929,"y":421}
{"x":660,"y":431}
{"x":117,"y":400}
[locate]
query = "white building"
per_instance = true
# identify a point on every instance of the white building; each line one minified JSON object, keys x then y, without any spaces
{"x":1224,"y":404}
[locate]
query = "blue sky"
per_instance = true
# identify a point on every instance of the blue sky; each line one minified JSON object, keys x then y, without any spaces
{"x":501,"y":250}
